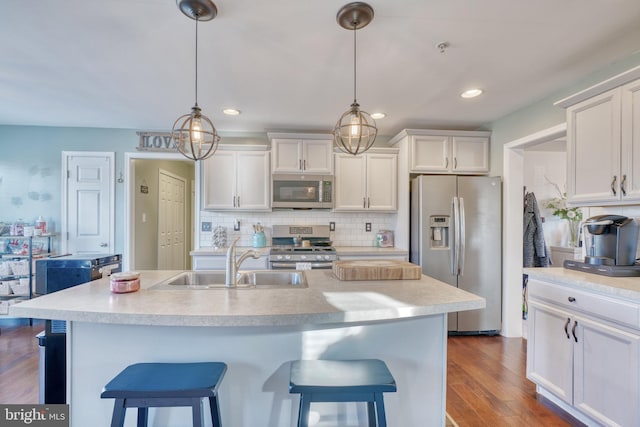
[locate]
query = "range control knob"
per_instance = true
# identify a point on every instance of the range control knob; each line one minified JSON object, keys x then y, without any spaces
{"x":279,"y":257}
{"x":287,"y":257}
{"x":303,"y":257}
{"x":319,"y":257}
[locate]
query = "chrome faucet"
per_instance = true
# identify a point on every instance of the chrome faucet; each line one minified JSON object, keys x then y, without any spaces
{"x":233,"y":265}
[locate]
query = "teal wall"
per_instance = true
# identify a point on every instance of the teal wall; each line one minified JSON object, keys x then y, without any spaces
{"x":30,"y":168}
{"x":543,"y":114}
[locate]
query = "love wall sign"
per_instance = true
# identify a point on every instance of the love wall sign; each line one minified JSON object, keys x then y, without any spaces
{"x":156,"y":141}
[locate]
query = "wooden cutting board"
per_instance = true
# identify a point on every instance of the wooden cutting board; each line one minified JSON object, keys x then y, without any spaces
{"x":376,"y":270}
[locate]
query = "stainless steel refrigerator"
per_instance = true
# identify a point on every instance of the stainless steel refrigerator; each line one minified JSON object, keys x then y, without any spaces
{"x":456,"y":236}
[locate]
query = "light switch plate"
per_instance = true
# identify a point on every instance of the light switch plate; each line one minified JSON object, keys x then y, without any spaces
{"x":332,"y":226}
{"x":367,"y":226}
{"x":206,"y":226}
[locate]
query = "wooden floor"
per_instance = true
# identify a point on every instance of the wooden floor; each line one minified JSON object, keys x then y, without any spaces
{"x":486,"y":385}
{"x":19,"y":362}
{"x":486,"y":379}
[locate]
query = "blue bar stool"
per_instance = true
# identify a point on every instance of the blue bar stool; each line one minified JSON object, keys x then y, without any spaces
{"x":153,"y":385}
{"x":342,"y":381}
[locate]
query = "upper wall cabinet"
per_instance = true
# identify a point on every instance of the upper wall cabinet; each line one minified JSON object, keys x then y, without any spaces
{"x":446,"y":152}
{"x":301,"y":153}
{"x":367,"y":182}
{"x":603,"y":143}
{"x":237,"y":180}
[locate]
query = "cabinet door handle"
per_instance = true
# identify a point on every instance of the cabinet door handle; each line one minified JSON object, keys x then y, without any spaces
{"x":446,"y":162}
{"x":571,"y":299}
{"x":455,"y":163}
{"x":622,"y":184}
{"x":573,"y":330}
{"x":566,"y":327}
{"x":364,"y":202}
{"x":304,"y":165}
{"x":300,"y":164}
{"x":238,"y":201}
{"x":613,"y":185}
{"x":368,"y":202}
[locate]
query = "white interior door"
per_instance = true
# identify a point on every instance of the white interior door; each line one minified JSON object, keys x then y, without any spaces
{"x":171,"y":221}
{"x":88,"y":202}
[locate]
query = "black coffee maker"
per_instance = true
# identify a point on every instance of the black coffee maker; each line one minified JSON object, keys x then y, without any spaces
{"x":610,"y":240}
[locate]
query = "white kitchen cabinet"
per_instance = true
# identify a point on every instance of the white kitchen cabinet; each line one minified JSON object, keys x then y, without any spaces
{"x":367,"y":182}
{"x":237,"y":180}
{"x":301,"y":155}
{"x":449,"y":153}
{"x":583,"y":348}
{"x":603,"y":147}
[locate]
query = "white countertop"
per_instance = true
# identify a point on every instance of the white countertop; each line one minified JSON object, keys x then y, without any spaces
{"x":327,"y":300}
{"x":624,"y":287}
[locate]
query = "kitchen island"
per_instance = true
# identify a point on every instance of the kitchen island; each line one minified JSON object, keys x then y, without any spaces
{"x":257,"y":332}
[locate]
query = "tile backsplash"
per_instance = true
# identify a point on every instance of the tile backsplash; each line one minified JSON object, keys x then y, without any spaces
{"x":350,"y":227}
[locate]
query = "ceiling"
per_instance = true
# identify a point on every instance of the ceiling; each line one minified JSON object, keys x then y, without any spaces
{"x":287,"y":65}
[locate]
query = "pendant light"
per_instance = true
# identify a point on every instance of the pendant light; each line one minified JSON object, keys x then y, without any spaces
{"x":194,"y":134}
{"x":355,"y":131}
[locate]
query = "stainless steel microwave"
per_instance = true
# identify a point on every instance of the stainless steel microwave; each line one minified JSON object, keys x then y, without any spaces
{"x":302,"y":191}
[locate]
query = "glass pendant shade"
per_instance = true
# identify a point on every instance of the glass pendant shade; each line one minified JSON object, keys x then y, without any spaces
{"x":355,"y":131}
{"x":195,"y":136}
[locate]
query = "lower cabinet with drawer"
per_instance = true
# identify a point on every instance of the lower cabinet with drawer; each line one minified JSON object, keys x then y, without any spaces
{"x":584,"y":355}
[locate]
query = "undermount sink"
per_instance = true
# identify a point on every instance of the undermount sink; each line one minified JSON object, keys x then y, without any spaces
{"x":273,"y":279}
{"x":215,"y":279}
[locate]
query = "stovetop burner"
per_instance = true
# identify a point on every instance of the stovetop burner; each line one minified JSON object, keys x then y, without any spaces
{"x":290,"y":248}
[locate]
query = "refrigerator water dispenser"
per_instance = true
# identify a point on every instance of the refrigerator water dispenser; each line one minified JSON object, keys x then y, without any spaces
{"x":439,"y":231}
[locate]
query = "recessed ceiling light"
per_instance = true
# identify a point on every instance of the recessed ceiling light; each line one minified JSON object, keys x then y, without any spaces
{"x":231,"y":112}
{"x":471,"y":93}
{"x":378,"y":116}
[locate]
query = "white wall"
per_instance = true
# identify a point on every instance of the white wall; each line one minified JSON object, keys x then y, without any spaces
{"x":541,"y":168}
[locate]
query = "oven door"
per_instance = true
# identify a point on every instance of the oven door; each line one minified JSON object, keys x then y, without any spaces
{"x":283,"y":265}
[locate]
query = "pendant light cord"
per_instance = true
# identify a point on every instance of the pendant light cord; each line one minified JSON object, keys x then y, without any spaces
{"x":196,"y":88}
{"x":354,"y":61}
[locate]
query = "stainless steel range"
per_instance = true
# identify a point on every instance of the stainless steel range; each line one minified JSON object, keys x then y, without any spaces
{"x":293,"y":244}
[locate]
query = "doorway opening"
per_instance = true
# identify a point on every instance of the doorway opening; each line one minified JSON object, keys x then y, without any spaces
{"x":514,"y":181}
{"x":148,"y":213}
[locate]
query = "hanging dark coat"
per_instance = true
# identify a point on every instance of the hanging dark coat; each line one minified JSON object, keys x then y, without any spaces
{"x":535,"y":253}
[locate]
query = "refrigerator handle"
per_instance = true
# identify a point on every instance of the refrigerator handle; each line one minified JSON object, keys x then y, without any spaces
{"x":456,"y":236}
{"x":463,"y":240}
